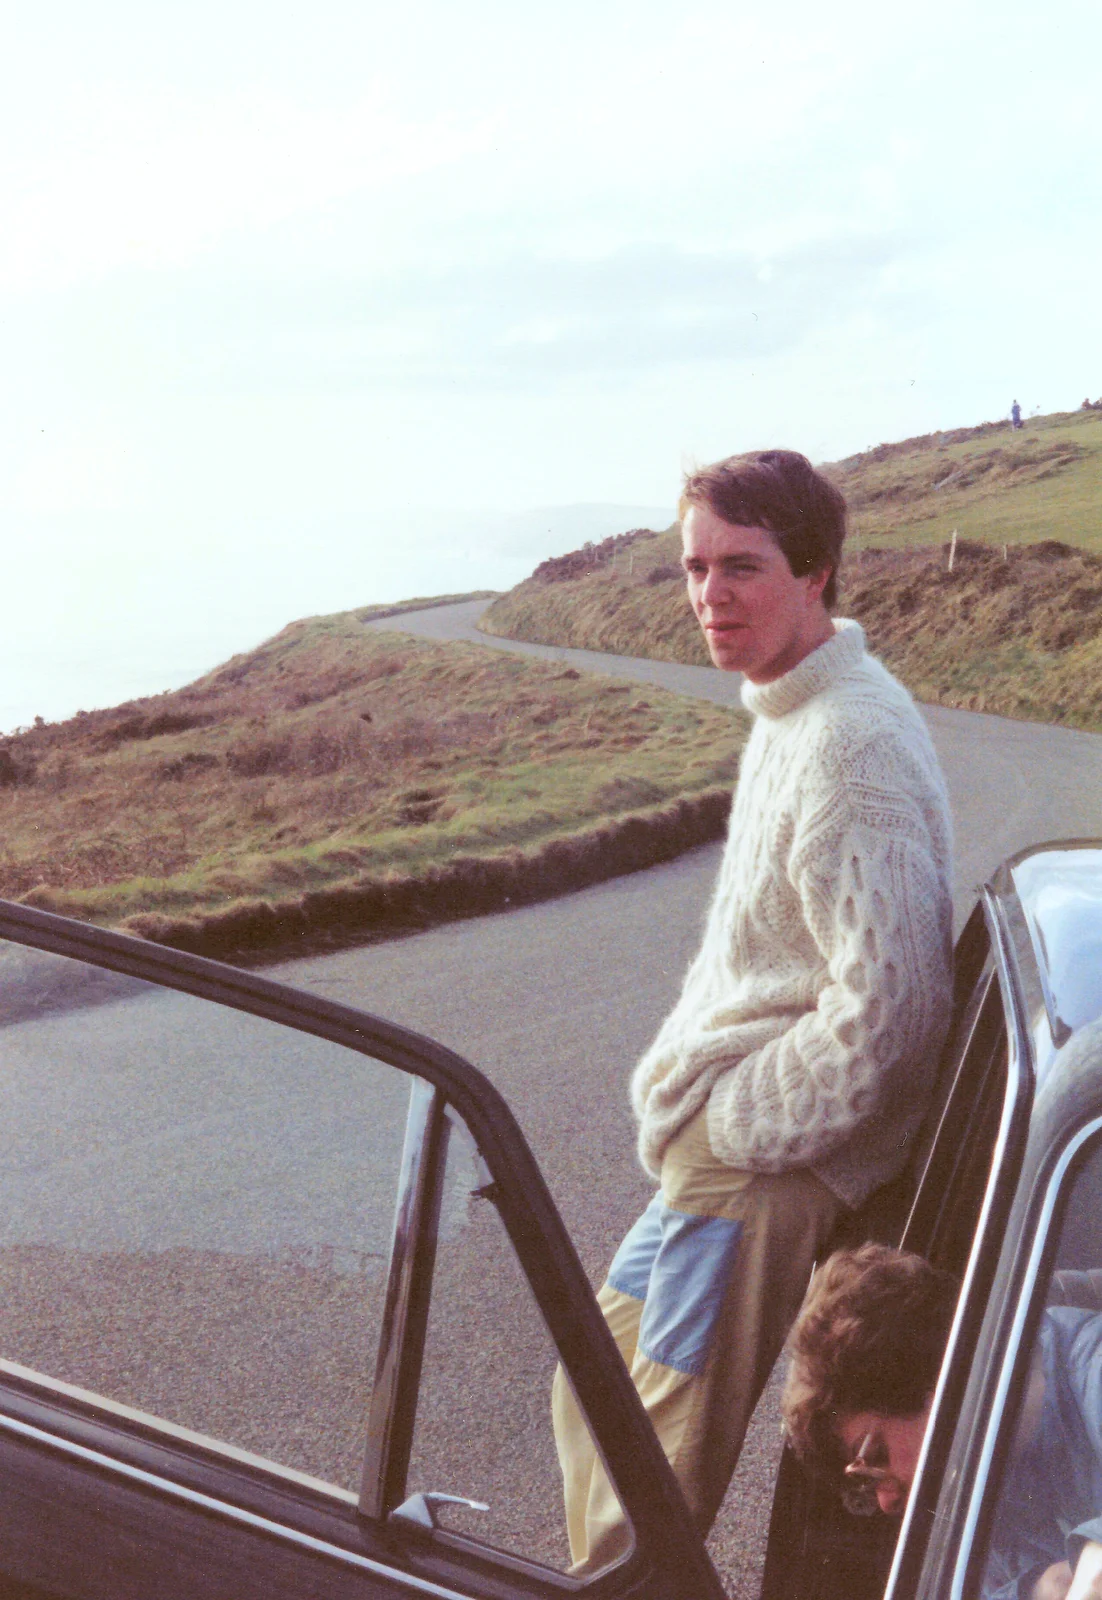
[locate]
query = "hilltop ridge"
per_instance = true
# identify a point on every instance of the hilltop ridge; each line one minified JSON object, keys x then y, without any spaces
{"x":1014,"y":628}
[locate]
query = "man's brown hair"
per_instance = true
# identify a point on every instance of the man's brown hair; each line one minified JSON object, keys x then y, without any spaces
{"x":780,"y":491}
{"x":870,"y":1337}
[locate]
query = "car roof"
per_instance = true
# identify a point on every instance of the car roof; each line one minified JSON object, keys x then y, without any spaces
{"x":1050,"y":898}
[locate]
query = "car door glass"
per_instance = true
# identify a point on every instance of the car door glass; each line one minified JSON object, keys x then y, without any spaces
{"x":483,"y":1430}
{"x":195,"y":1211}
{"x":1050,"y":1499}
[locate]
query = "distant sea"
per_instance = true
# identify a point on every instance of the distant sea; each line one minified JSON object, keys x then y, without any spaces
{"x":97,"y":616}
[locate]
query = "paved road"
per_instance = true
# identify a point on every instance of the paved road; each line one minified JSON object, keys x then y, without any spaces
{"x":206,"y":1199}
{"x":1012,"y":784}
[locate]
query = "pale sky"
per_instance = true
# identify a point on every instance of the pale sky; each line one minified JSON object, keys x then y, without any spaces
{"x":302,"y":308}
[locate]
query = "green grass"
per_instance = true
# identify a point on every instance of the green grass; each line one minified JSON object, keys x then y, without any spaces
{"x":996,"y":487}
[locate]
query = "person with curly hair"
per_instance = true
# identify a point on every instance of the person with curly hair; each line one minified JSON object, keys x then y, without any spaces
{"x":865,"y":1353}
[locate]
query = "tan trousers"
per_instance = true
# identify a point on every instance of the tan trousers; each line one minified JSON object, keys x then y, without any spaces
{"x":699,"y":1298}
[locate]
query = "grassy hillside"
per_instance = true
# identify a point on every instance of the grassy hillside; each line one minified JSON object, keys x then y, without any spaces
{"x":991,"y":484}
{"x":628,"y":598}
{"x":1020,"y":635}
{"x":1015,"y":628}
{"x":334,"y":758}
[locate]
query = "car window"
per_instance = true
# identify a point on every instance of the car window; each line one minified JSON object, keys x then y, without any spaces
{"x":483,"y":1427}
{"x":195,"y":1211}
{"x":1049,"y":1501}
{"x":961,"y":1128}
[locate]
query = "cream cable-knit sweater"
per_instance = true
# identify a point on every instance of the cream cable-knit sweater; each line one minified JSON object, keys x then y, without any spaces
{"x":812,"y":1018}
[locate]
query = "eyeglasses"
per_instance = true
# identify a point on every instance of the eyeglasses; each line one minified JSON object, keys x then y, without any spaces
{"x":870,"y":1462}
{"x":863,"y":1474}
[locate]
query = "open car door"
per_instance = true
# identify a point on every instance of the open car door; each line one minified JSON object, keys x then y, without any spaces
{"x":281,"y":1295}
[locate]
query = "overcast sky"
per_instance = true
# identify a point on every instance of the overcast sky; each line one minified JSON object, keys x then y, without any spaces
{"x":300,"y":305}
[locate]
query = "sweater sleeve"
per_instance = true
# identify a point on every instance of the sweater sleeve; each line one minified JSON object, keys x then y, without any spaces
{"x":872,"y":886}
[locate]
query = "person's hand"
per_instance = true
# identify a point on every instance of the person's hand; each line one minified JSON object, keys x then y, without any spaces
{"x":1087,"y":1581}
{"x":1054,"y":1583}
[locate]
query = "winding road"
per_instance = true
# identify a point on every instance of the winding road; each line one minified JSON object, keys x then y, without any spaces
{"x":1012,"y":784}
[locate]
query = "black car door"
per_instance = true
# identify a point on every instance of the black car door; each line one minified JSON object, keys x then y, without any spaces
{"x":818,"y":1550}
{"x":281,"y":1295}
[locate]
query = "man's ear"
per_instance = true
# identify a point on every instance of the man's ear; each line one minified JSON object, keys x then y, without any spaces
{"x":817,"y":580}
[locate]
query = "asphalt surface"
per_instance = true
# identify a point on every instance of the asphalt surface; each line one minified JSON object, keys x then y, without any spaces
{"x":196,"y":1206}
{"x":1012,"y":784}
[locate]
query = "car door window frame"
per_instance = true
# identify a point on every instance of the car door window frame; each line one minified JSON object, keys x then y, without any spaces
{"x":406,"y":1307}
{"x":986,"y":1479}
{"x":666,"y":1540}
{"x":922,"y":1513}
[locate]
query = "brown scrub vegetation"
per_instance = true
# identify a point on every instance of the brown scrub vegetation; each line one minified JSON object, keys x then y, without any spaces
{"x":342,"y":783}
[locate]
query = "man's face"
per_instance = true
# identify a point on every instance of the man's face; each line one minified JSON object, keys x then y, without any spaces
{"x":883,"y":1451}
{"x":757,"y":616}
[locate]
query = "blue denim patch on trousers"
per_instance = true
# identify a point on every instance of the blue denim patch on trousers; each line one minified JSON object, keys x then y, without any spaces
{"x":680,"y":1266}
{"x":631,"y":1265}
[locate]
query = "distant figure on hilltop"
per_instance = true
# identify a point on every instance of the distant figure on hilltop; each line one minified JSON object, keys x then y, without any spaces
{"x":1015,"y":415}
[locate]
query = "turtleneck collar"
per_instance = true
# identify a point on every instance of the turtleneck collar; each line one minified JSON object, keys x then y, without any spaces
{"x":814,"y":673}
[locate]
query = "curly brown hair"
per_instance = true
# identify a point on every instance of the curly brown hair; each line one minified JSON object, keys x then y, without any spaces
{"x":870,"y":1337}
{"x":780,"y":491}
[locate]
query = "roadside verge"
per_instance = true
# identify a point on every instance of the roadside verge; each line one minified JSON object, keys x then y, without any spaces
{"x":375,"y":908}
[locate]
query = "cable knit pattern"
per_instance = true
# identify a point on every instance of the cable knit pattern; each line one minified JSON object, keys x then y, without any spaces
{"x":811,"y":1020}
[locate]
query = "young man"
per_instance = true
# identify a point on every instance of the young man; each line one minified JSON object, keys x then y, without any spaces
{"x":797,"y":1063}
{"x":866,"y":1350}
